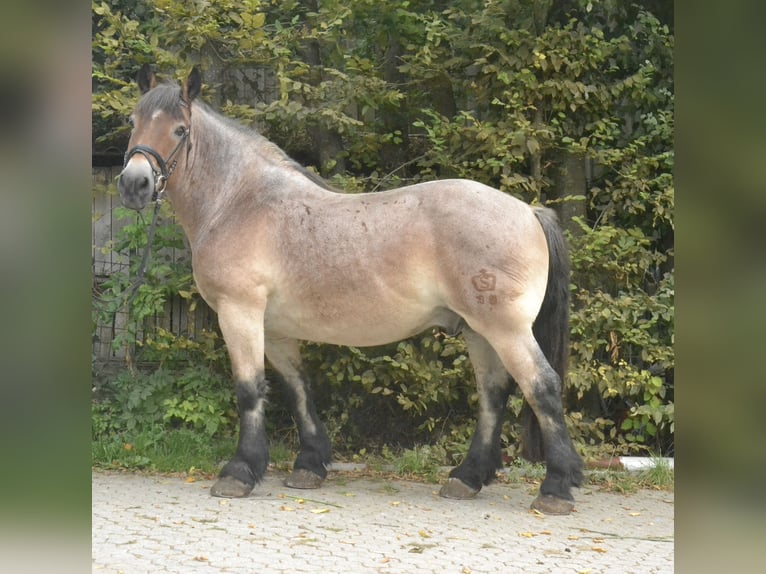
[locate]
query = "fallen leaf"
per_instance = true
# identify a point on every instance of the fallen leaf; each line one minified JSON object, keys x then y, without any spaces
{"x":286,"y":508}
{"x":128,"y":446}
{"x":320,"y":510}
{"x":598,"y":549}
{"x":191,"y":479}
{"x":634,"y":514}
{"x":526,"y":534}
{"x":200,"y":558}
{"x":424,"y":534}
{"x":573,"y":537}
{"x":546,"y":532}
{"x":385,"y":561}
{"x":465,"y":570}
{"x":395,"y":503}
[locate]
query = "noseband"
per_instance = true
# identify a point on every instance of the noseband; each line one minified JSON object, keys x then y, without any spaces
{"x":160,"y":176}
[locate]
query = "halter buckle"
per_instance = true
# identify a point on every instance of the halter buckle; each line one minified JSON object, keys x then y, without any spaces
{"x":160,"y":183}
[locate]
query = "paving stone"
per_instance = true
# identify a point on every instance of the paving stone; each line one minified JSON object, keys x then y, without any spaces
{"x":159,"y":524}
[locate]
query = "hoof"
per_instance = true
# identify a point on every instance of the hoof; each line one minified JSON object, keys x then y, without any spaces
{"x":304,"y":479}
{"x":549,"y":504}
{"x":230,"y":487}
{"x":457,"y":489}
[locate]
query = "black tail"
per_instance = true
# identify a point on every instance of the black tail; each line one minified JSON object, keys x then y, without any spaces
{"x":551,"y":328}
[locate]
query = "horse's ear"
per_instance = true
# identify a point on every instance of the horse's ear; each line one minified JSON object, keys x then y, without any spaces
{"x":193,"y":85}
{"x":146,"y":79}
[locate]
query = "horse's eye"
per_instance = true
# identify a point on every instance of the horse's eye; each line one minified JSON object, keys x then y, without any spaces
{"x":180,"y":131}
{"x":131,"y":123}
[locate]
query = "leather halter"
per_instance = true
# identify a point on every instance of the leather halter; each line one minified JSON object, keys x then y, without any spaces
{"x":162,"y":174}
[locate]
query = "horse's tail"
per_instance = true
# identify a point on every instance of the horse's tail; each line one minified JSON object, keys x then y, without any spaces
{"x":551,"y":327}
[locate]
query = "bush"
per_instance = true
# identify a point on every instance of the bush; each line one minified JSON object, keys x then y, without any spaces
{"x":195,"y":398}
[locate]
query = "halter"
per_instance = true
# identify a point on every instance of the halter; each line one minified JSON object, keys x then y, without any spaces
{"x":161,"y":176}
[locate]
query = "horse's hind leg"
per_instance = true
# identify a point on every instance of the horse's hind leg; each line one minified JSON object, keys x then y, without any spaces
{"x":310,"y":467}
{"x":541,"y":387}
{"x":484,"y":454}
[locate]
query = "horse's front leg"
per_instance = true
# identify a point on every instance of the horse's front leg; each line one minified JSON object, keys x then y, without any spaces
{"x":310,"y":467}
{"x":242,"y":329}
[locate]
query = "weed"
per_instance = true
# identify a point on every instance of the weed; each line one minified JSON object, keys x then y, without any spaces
{"x":423,"y":461}
{"x":617,"y":481}
{"x":281,"y":455}
{"x":659,"y":476}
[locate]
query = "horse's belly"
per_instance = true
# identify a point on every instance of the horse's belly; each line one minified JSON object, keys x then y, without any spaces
{"x":355,"y":325}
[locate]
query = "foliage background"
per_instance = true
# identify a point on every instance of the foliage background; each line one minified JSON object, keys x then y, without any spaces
{"x":569,"y":104}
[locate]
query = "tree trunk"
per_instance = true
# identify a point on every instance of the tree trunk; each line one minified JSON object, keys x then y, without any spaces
{"x":394,"y":155}
{"x":326,"y":141}
{"x":569,"y":181}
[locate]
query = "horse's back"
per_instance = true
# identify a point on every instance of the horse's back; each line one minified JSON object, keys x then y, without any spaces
{"x":460,"y":199}
{"x":415,"y":230}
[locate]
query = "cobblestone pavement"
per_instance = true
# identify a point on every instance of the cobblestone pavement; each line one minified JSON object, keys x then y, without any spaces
{"x":154,"y":524}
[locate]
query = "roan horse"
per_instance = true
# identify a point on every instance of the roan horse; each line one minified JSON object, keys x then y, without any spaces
{"x":281,"y":258}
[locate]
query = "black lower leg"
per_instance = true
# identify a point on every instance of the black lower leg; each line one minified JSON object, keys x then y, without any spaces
{"x":563,"y":464}
{"x":315,"y":450}
{"x":252,"y":456}
{"x":484,"y":456}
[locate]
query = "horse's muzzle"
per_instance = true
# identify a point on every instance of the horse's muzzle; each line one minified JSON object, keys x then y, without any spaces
{"x":136,"y":185}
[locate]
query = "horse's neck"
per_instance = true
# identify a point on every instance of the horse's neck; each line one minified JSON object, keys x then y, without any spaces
{"x":223,"y":163}
{"x":199,"y":193}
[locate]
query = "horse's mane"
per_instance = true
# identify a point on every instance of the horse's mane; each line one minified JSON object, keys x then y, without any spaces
{"x":166,"y":96}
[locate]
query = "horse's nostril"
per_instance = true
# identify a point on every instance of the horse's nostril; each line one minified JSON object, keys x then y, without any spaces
{"x":145,"y":182}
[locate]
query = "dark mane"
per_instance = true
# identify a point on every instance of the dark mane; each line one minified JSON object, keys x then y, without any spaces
{"x":267,"y":148}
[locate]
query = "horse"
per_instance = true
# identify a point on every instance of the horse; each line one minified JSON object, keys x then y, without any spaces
{"x":282,"y":258}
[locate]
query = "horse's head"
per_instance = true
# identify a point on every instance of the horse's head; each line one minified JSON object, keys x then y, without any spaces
{"x":161,"y":123}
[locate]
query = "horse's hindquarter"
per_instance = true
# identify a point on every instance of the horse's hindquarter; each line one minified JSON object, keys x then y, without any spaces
{"x":373,"y":268}
{"x":492,"y":255}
